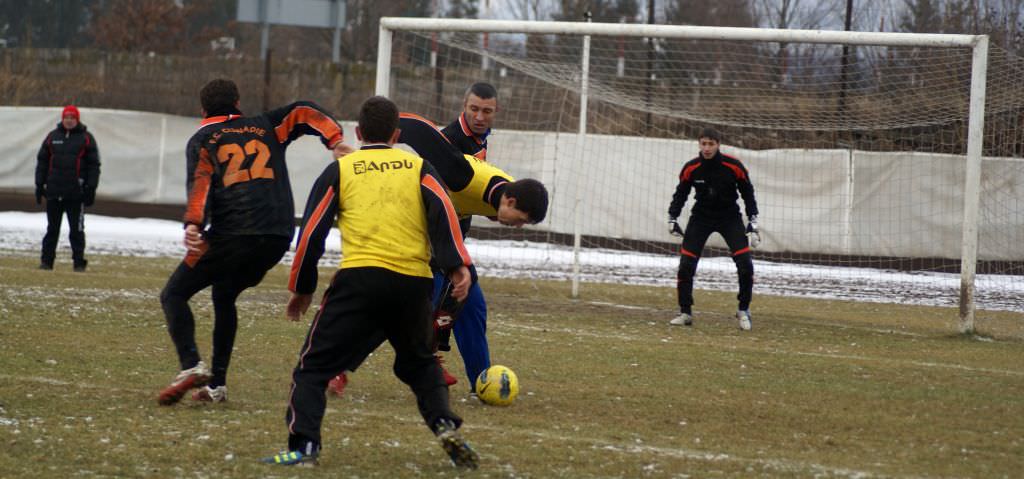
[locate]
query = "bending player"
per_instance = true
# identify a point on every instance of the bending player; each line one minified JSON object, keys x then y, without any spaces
{"x":476,"y":188}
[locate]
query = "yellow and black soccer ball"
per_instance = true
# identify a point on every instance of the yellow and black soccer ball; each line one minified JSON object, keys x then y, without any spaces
{"x":497,"y":386}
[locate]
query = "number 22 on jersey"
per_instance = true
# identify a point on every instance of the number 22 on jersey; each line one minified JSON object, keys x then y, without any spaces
{"x":234,"y":155}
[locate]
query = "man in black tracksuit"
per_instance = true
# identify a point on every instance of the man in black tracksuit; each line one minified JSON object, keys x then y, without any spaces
{"x":716,"y":178}
{"x":67,"y":173}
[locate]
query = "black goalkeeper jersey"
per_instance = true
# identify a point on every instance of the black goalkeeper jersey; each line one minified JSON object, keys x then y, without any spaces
{"x":718,"y":182}
{"x":237,"y":177}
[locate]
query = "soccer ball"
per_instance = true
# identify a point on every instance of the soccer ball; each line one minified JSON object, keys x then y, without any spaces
{"x":497,"y":386}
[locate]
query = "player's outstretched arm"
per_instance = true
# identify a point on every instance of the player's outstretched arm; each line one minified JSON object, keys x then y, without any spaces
{"x":304,"y":118}
{"x":424,"y":137}
{"x":321,"y":211}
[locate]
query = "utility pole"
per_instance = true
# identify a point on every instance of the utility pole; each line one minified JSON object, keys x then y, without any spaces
{"x":845,"y":68}
{"x":650,"y":62}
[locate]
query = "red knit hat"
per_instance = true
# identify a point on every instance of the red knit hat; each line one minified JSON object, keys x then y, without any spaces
{"x":70,"y":110}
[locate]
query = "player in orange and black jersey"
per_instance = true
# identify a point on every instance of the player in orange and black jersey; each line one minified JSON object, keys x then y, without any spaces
{"x":238,"y":223}
{"x":719,"y":180}
{"x":394,"y":216}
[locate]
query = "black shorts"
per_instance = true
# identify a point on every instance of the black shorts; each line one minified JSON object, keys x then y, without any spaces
{"x":237,"y":261}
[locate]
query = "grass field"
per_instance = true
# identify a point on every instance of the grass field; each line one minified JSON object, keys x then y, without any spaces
{"x":609,"y":389}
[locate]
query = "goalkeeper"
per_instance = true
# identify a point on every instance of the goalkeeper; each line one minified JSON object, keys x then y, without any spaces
{"x":476,"y":188}
{"x":717,"y":178}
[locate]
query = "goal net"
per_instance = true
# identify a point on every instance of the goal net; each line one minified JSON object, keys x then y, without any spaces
{"x":858,"y":152}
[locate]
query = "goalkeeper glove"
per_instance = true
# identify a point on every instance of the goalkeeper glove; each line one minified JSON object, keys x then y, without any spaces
{"x":753,"y":233}
{"x":88,"y":196}
{"x":673,"y":227}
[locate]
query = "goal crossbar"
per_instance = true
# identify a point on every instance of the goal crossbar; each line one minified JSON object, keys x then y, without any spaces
{"x":679,"y":31}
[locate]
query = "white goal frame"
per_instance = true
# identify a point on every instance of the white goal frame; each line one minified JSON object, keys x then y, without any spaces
{"x":979,"y":66}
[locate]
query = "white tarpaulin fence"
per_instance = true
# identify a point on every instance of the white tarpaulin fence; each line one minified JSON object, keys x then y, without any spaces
{"x":812,"y":201}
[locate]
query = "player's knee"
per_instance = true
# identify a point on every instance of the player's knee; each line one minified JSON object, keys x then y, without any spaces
{"x":744,"y":265}
{"x":166,"y":297}
{"x":475,"y":309}
{"x":222,"y":296}
{"x":687,"y":267}
{"x":414,"y":374}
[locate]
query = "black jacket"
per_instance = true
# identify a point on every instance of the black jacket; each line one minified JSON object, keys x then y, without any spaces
{"x":68,"y":163}
{"x":717,"y":181}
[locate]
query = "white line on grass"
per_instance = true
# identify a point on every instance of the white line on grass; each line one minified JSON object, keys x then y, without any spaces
{"x":647,"y":339}
{"x":673,"y":452}
{"x":597,"y":443}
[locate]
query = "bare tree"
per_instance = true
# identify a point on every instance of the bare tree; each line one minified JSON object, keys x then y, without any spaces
{"x":463,"y":8}
{"x":802,"y":14}
{"x":142,"y":26}
{"x":51,"y":24}
{"x":530,"y":9}
{"x":794,"y":14}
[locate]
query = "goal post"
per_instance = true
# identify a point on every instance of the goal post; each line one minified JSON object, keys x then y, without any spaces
{"x":685,"y":86}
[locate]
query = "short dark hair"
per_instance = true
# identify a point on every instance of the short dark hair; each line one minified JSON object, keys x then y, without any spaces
{"x":531,"y":198}
{"x":219,"y":96}
{"x":710,"y":133}
{"x":482,"y":90}
{"x":378,"y":119}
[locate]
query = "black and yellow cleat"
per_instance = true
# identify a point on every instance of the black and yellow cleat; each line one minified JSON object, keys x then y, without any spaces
{"x":457,"y":448}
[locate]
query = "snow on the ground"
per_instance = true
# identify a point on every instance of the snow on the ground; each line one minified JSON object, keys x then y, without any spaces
{"x":23,"y":232}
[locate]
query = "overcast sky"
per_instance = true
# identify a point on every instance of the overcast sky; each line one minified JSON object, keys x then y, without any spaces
{"x":822,"y":14}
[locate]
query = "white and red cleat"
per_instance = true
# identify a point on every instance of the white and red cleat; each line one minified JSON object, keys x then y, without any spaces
{"x":448,"y":378}
{"x":187,"y":379}
{"x":337,"y":385}
{"x":208,"y":394}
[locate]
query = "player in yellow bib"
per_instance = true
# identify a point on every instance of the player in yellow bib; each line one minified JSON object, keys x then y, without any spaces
{"x":476,"y":187}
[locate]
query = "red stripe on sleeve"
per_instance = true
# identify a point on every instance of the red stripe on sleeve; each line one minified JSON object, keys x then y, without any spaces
{"x":192,"y":257}
{"x":736,"y":171}
{"x":453,"y":221}
{"x":311,"y":225}
{"x":78,"y":159}
{"x":200,"y":189}
{"x":312,"y":117}
{"x":688,"y":171}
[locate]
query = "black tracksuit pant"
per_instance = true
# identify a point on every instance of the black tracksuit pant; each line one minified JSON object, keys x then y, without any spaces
{"x":55,"y":209}
{"x":362,"y":304}
{"x":231,"y":264}
{"x":698,"y":229}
